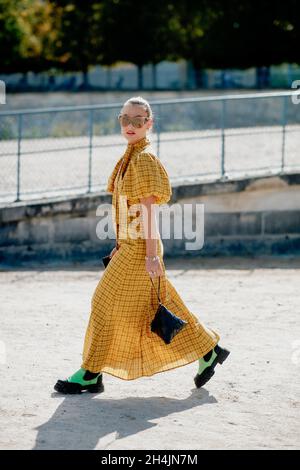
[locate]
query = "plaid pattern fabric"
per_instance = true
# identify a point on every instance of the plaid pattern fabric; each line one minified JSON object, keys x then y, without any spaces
{"x":118,"y":338}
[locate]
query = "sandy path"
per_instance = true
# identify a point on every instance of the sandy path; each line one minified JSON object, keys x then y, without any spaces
{"x":251,"y":402}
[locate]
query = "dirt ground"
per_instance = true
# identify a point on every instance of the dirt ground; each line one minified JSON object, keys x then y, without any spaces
{"x":252,"y":401}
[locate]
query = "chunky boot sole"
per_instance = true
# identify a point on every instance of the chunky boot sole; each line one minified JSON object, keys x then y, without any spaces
{"x":63,"y":386}
{"x":201,"y":379}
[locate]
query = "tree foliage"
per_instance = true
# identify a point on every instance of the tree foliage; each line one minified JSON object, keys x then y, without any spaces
{"x":75,"y":34}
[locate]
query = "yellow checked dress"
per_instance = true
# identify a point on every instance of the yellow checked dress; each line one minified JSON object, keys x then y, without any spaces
{"x":118,"y":339}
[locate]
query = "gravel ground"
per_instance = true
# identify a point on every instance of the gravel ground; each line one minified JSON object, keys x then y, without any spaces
{"x":252,"y":402}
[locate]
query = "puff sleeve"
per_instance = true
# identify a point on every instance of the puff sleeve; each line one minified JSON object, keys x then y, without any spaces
{"x":146,"y":176}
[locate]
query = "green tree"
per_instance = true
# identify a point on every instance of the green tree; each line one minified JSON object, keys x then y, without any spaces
{"x":239,"y":33}
{"x":78,"y":42}
{"x":11,"y":36}
{"x":27,"y":35}
{"x":139,"y":33}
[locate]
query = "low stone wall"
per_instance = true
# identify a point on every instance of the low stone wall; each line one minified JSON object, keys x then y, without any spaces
{"x":250,"y":216}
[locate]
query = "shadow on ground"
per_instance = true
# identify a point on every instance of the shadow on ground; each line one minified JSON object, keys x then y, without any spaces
{"x":86,"y":421}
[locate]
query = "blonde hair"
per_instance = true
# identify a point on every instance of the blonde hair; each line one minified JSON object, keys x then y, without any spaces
{"x":141,"y":102}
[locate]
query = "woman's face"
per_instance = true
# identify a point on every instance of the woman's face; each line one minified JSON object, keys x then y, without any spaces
{"x":133,"y":134}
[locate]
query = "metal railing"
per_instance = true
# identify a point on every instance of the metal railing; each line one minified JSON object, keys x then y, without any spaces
{"x":52,"y":151}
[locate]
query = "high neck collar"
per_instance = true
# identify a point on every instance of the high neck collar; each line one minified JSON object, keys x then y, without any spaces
{"x":139,"y":145}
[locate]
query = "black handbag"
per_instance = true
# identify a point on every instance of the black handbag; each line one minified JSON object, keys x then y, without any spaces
{"x":165,"y":324}
{"x":106,"y":260}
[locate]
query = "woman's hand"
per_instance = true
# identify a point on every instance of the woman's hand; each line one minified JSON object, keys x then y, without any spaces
{"x":154,"y":268}
{"x":113,"y":251}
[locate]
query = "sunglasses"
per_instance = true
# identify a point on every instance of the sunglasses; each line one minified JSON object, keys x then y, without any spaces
{"x":137,"y":121}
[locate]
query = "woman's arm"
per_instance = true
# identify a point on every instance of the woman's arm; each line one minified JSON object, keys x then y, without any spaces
{"x":151,"y":234}
{"x":149,"y":224}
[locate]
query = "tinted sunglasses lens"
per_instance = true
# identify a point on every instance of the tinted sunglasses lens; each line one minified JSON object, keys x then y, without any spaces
{"x":124,"y":120}
{"x":138,"y":122}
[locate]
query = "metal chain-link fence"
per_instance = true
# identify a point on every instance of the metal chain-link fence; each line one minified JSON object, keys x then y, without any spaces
{"x":70,"y":150}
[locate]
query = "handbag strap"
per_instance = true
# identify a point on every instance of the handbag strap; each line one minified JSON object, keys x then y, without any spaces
{"x":158,"y":288}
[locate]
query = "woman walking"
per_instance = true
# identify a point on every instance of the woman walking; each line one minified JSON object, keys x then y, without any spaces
{"x":118,"y":339}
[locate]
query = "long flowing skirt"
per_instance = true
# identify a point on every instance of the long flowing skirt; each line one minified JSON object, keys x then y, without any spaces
{"x":118,"y":338}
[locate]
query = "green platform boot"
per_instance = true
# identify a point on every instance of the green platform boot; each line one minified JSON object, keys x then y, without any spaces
{"x":207,"y":364}
{"x":80,"y":381}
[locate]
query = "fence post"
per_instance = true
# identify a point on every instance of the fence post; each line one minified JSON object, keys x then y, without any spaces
{"x":284,"y":106}
{"x":20,"y":122}
{"x":91,"y":125}
{"x":223,"y":114}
